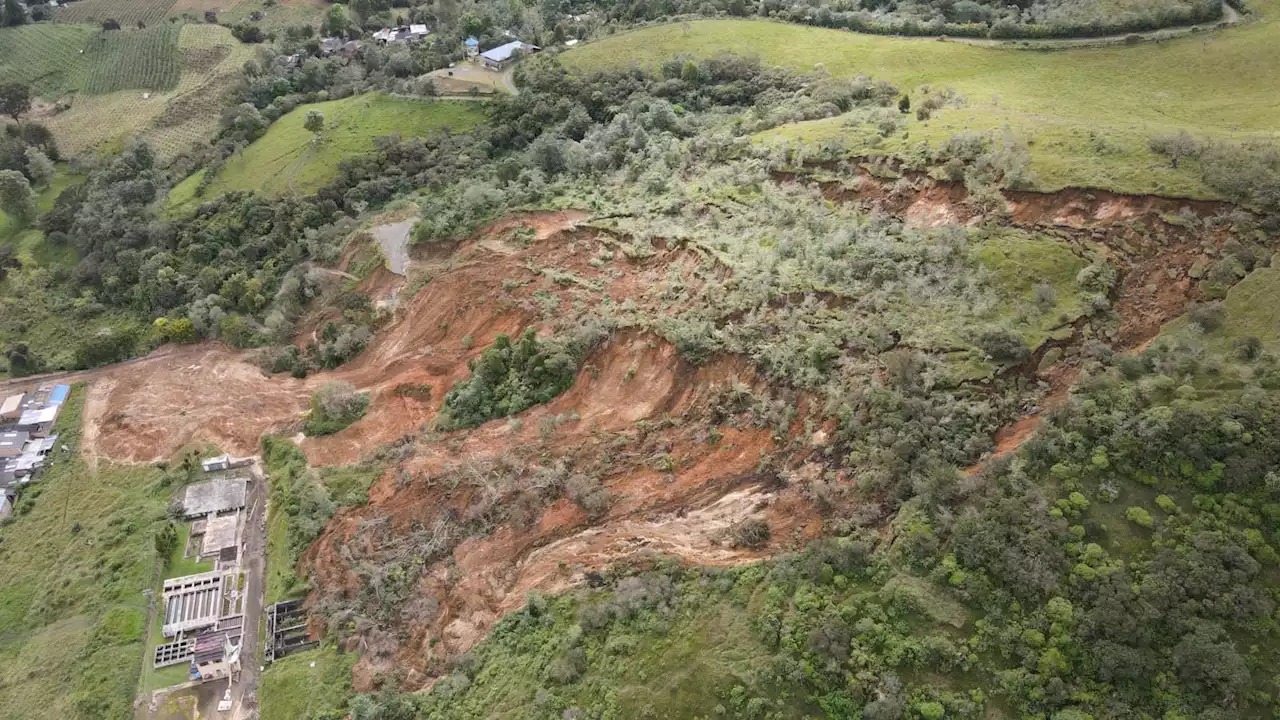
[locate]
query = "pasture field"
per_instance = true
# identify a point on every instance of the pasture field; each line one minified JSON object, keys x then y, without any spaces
{"x":76,"y":562}
{"x":1087,"y":112}
{"x":286,"y":160}
{"x":126,"y":12}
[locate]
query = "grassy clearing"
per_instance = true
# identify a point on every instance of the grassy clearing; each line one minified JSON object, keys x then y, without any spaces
{"x":1250,"y":309}
{"x":275,"y":15}
{"x":1022,"y":265}
{"x":76,"y":563}
{"x":1212,"y":84}
{"x":285,"y":159}
{"x":127,"y":12}
{"x":294,"y":690}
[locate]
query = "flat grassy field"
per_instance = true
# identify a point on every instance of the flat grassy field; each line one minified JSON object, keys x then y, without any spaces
{"x":285,"y":159}
{"x":76,"y":562}
{"x":1087,"y":112}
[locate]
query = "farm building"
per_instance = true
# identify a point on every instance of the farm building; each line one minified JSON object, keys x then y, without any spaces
{"x":503,"y":55}
{"x":214,"y":496}
{"x":472,"y":45}
{"x":11,"y":408}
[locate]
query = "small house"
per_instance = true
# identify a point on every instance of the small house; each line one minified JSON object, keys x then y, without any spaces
{"x":472,"y":45}
{"x":59,"y":394}
{"x":39,"y":421}
{"x":11,"y":408}
{"x":503,"y":55}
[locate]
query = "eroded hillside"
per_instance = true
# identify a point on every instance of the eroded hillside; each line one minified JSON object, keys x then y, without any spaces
{"x":650,"y":453}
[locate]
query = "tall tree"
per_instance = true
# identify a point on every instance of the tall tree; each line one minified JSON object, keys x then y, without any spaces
{"x":15,"y":99}
{"x":16,"y":196}
{"x":13,"y":13}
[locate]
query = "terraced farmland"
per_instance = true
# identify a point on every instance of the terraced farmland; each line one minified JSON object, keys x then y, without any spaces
{"x":126,"y":12}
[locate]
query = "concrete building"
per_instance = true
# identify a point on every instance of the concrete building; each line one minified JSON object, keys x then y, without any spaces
{"x":224,"y":462}
{"x":192,"y":602}
{"x":214,"y":496}
{"x":216,"y":653}
{"x":503,"y":55}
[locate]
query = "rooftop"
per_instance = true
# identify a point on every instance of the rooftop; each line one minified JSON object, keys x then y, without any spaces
{"x":217,"y":495}
{"x":12,"y":442}
{"x":504,"y":52}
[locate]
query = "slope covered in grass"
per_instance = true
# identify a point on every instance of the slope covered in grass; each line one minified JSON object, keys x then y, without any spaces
{"x":1088,"y":112}
{"x":287,"y":160}
{"x":76,"y":559}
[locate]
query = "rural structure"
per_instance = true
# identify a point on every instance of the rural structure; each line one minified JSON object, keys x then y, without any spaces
{"x":500,"y":57}
{"x":205,"y":615}
{"x":26,"y":437}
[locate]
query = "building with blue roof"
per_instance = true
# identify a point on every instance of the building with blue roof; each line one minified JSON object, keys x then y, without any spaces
{"x":59,"y":394}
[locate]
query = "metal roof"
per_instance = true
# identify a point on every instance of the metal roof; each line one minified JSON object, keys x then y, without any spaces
{"x":502,"y":53}
{"x":59,"y":394}
{"x":39,"y":417}
{"x":471,"y":42}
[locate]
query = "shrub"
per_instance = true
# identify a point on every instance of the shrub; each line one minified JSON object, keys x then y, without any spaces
{"x":1002,"y":345}
{"x":334,"y":407}
{"x":1209,"y":316}
{"x":1139,"y":516}
{"x":750,"y":533}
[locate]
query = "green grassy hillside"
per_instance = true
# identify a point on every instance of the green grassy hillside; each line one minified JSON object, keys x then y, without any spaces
{"x":1088,"y":112}
{"x":76,"y":559}
{"x":286,"y":159}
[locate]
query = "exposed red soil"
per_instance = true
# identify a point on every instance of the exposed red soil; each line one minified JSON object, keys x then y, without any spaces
{"x":637,"y":419}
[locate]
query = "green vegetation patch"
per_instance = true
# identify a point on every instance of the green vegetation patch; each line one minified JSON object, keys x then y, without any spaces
{"x":509,"y":378}
{"x":1035,"y":278}
{"x":1087,"y":112}
{"x":334,"y":407}
{"x":145,"y":59}
{"x":292,"y":689}
{"x":290,"y":158}
{"x":77,"y":557}
{"x":301,"y":501}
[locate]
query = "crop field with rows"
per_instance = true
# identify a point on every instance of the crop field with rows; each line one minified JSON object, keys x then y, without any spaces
{"x":141,"y":59}
{"x":47,"y":57}
{"x":126,"y":12}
